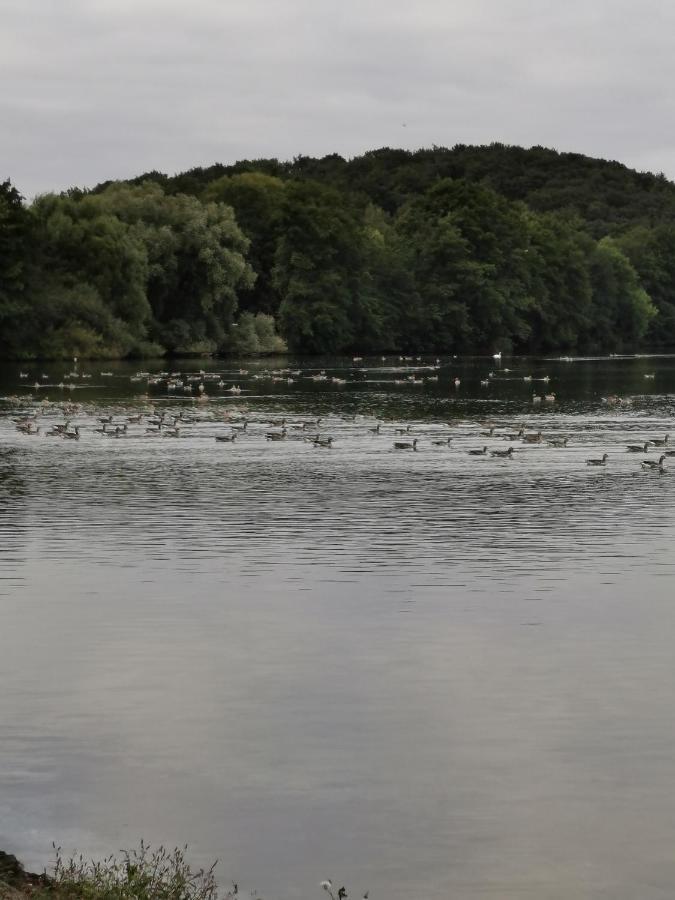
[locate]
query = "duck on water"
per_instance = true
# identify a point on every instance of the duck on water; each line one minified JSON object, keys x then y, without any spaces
{"x":652,"y":465}
{"x":405,"y":445}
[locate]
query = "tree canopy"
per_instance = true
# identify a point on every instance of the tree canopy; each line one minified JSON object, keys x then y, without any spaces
{"x":455,"y":250}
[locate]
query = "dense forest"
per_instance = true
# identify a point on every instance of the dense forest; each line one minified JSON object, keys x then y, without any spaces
{"x":469,"y":249}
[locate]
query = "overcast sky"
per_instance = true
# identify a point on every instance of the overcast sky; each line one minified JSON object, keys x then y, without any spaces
{"x":97,"y":89}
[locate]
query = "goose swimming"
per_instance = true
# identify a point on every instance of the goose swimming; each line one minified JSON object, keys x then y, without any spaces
{"x":651,"y":464}
{"x":482,"y":452}
{"x":227,"y":438}
{"x":502,"y":454}
{"x":638,"y":448}
{"x":405,"y":445}
{"x":598,"y":462}
{"x":557,"y":442}
{"x":444,"y":443}
{"x":660,"y":443}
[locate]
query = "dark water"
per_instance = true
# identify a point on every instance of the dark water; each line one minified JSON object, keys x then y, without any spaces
{"x":423,"y":673}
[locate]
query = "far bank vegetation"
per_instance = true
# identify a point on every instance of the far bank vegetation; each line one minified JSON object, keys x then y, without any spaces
{"x":469,"y":249}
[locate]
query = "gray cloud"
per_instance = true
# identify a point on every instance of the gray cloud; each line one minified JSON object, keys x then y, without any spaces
{"x":96,"y":89}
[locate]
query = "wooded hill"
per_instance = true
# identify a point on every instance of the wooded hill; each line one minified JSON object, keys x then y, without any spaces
{"x":469,"y":249}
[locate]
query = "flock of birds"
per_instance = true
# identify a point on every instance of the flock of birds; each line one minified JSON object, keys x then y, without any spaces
{"x":229,"y":426}
{"x":409,"y":371}
{"x":125,"y":423}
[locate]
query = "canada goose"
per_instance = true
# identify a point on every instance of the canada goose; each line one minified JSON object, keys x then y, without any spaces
{"x":443,"y":443}
{"x":375,"y":430}
{"x":487,"y":433}
{"x":72,"y":435}
{"x":276,"y":435}
{"x":598,"y":462}
{"x":405,"y":445}
{"x":638,"y":448}
{"x":135,"y":420}
{"x":240,"y":427}
{"x":514,"y":437}
{"x":660,"y":443}
{"x":227,"y":438}
{"x":652,"y":464}
{"x":533,"y":438}
{"x":405,"y":430}
{"x":322,"y":442}
{"x":557,"y":442}
{"x":502,"y":454}
{"x":482,"y":452}
{"x":59,"y":428}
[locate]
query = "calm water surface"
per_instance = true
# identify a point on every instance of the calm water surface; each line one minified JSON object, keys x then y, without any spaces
{"x":423,"y":673}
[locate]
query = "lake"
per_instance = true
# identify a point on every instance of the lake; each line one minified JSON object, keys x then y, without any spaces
{"x":423,"y":673}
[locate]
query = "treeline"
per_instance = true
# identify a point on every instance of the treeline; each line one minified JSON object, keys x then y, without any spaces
{"x":461,"y":250}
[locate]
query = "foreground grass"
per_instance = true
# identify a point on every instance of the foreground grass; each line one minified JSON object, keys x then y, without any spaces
{"x":140,"y":874}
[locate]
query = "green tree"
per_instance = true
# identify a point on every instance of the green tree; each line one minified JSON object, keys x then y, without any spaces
{"x":652,"y":254}
{"x":14,"y":239}
{"x":471,"y":265}
{"x":196,"y":263}
{"x":622,"y":308}
{"x":319,"y":272}
{"x":258,"y":202}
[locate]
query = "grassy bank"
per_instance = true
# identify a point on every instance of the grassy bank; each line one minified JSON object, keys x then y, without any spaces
{"x":140,"y":874}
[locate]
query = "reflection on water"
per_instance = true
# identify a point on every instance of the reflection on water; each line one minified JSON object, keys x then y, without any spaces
{"x":422,"y":673}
